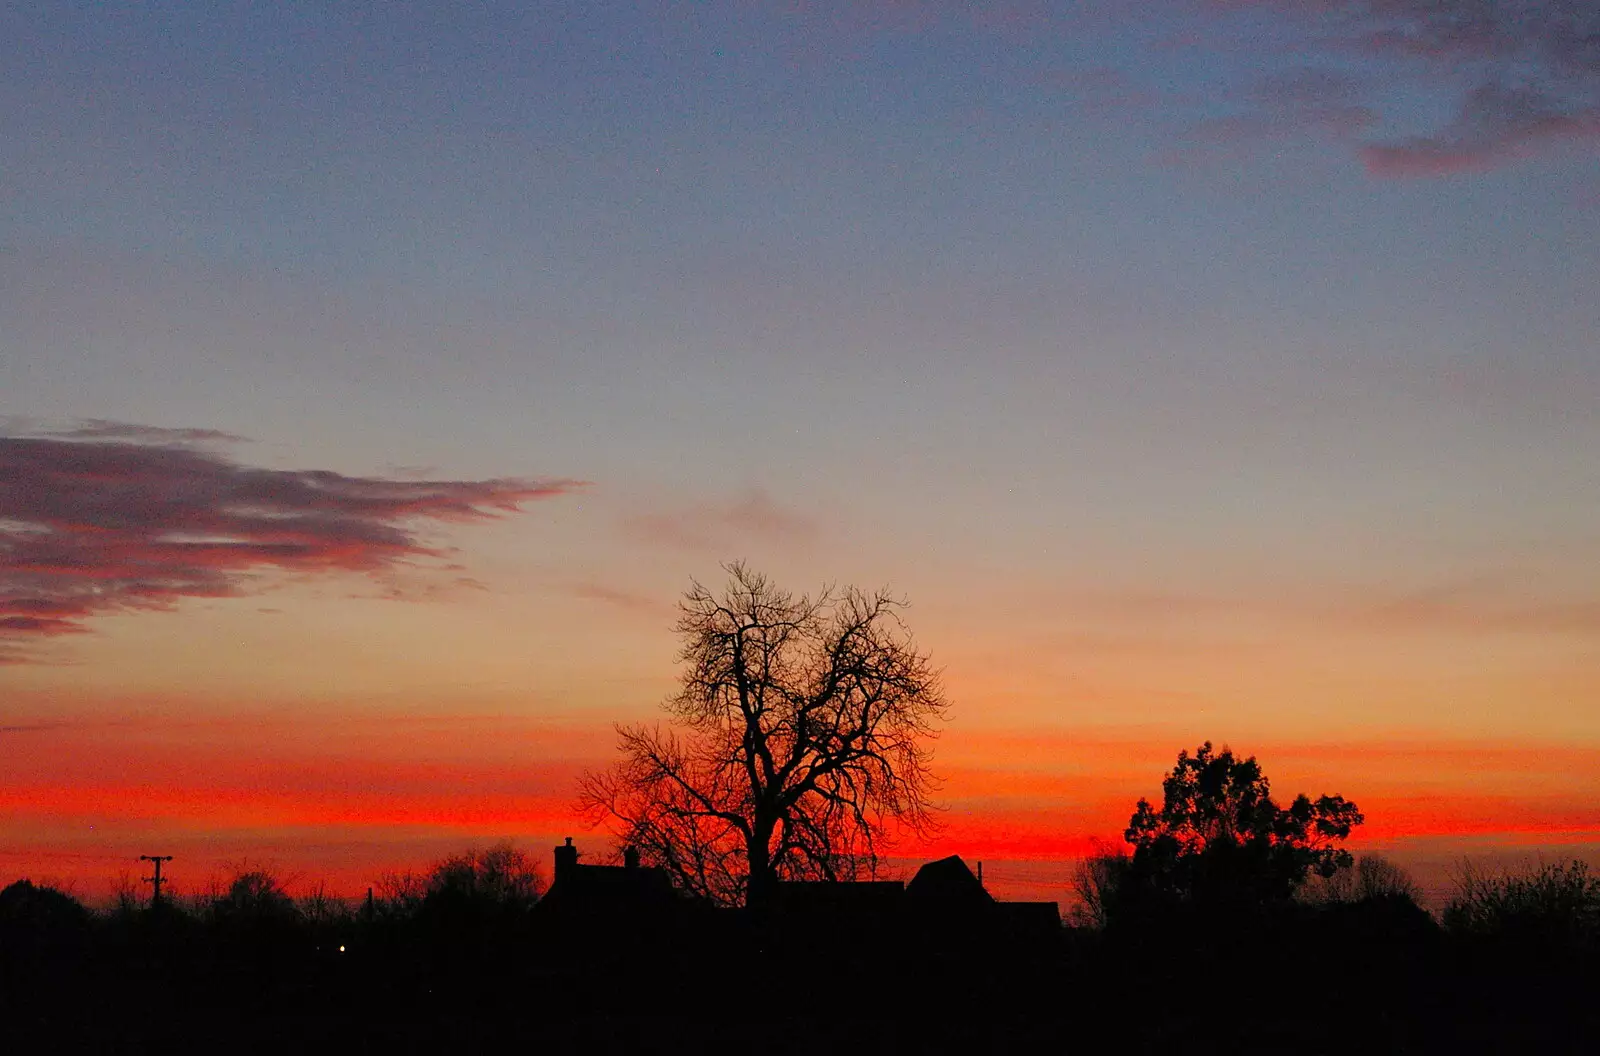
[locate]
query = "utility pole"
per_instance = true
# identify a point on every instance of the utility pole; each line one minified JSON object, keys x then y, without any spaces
{"x":155,"y":881}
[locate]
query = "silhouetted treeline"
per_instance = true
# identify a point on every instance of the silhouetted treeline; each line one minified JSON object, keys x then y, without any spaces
{"x":465,"y":957}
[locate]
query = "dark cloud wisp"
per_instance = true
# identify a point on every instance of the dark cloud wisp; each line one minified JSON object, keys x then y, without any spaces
{"x":1530,"y":71}
{"x":1497,"y":122}
{"x":1522,"y":76}
{"x":104,"y":429}
{"x":91,"y":526}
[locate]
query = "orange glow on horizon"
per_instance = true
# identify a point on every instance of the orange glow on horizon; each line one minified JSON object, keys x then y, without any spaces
{"x":344,"y":798}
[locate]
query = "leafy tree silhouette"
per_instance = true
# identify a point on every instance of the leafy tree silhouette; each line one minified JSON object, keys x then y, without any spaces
{"x":1219,"y":840}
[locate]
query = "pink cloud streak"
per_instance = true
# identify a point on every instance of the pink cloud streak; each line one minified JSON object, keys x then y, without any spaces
{"x":91,"y":525}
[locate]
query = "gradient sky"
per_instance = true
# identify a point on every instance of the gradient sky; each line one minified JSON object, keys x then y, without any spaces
{"x":376,"y":376}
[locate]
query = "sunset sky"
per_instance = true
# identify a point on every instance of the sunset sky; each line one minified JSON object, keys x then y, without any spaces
{"x":375,"y":377}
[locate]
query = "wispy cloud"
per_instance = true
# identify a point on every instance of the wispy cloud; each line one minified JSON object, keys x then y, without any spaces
{"x":1103,"y":90}
{"x":1496,"y":123}
{"x":1306,"y":102}
{"x":1519,"y":77}
{"x":1480,"y":605}
{"x":1492,"y":603}
{"x":718,"y":525}
{"x":1564,"y":35}
{"x":622,"y":599}
{"x":113,"y":518}
{"x":105,"y":429}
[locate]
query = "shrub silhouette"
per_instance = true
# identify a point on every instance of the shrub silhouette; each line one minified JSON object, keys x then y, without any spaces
{"x":1547,"y":902}
{"x":37,"y":917}
{"x":43,"y":934}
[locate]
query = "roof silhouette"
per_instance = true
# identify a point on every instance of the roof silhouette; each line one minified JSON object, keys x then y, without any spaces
{"x":948,"y":880}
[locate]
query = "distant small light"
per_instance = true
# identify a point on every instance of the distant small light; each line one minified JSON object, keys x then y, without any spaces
{"x":341,"y":949}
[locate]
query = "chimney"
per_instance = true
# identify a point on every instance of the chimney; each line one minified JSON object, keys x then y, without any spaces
{"x":566,"y":861}
{"x":630,"y":857}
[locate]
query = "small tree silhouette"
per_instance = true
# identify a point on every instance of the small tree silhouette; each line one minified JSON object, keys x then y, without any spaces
{"x":1372,"y":878}
{"x":1097,"y":881}
{"x":254,"y":897}
{"x":320,"y":909}
{"x":127,"y":901}
{"x":399,"y":895}
{"x":498,"y":882}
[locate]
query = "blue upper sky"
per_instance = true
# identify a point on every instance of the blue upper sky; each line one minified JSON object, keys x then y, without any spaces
{"x":1178,"y":294}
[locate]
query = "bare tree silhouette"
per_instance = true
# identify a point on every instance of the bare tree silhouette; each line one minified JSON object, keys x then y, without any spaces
{"x":798,"y":744}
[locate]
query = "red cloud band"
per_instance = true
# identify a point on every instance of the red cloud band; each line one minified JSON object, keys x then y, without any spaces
{"x":90,"y":526}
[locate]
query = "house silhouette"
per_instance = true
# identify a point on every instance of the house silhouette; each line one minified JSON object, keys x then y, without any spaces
{"x":629,"y":889}
{"x":948,"y":882}
{"x":943,"y":896}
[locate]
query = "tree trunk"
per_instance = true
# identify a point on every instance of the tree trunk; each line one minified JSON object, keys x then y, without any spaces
{"x":763,"y":878}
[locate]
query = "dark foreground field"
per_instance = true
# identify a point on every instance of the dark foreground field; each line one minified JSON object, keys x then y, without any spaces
{"x":1353,"y":978}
